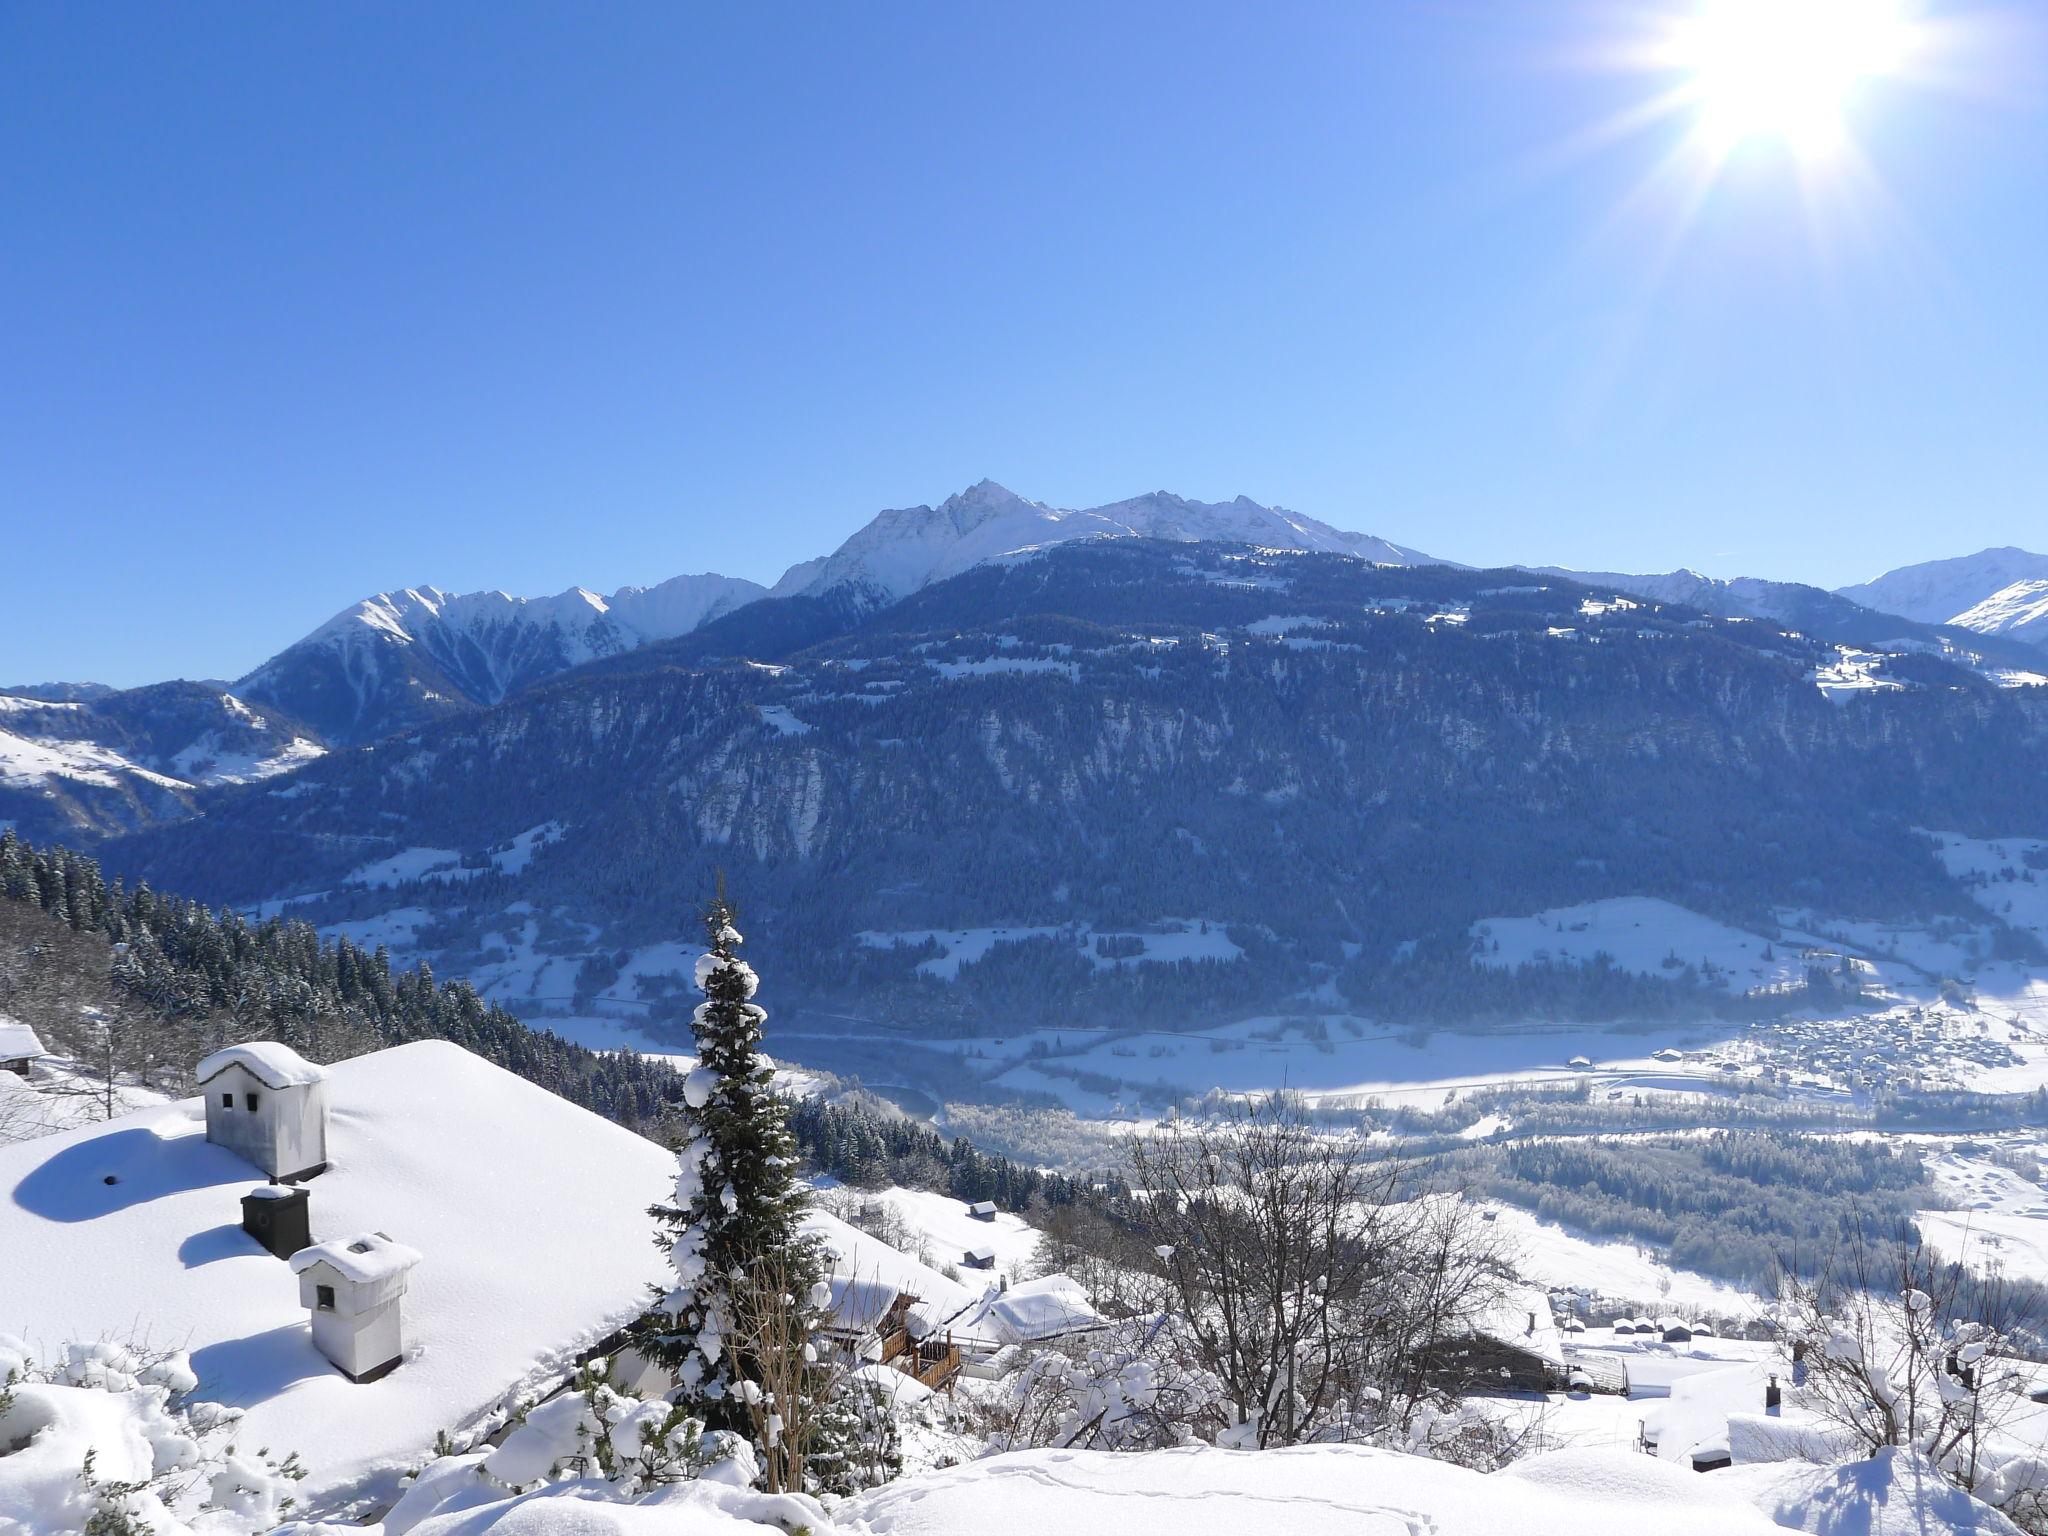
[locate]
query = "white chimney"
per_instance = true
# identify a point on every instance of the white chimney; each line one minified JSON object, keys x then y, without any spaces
{"x":354,"y":1287}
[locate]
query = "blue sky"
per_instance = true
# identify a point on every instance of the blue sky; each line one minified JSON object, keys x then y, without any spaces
{"x":301,"y":302}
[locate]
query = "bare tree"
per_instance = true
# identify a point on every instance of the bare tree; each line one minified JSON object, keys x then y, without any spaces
{"x":1313,"y":1290}
{"x":787,"y":1380}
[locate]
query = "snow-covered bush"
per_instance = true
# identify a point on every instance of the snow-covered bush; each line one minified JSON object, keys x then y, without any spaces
{"x":102,"y":1441}
{"x":1901,"y":1350}
{"x":595,"y":1432}
{"x":1137,"y":1386}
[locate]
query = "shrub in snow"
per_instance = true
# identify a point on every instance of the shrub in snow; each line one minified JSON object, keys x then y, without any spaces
{"x":1306,"y":1281}
{"x":595,"y":1432}
{"x":100,"y":1441}
{"x":1139,"y":1385}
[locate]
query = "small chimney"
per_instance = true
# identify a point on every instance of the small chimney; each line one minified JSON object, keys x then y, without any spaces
{"x":1773,"y":1398}
{"x":276,"y":1215}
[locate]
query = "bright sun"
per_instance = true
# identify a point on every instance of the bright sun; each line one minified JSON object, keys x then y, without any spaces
{"x":1784,"y":69}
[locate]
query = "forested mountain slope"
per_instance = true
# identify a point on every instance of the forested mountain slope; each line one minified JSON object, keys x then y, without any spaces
{"x":1171,"y":781}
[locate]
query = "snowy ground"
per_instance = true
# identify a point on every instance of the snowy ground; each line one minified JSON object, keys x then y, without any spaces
{"x":2002,"y":1216}
{"x":1548,"y":1255}
{"x":1642,"y":935}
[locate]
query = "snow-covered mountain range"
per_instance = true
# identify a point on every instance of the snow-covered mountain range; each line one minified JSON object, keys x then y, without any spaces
{"x":115,"y":758}
{"x":399,"y":658}
{"x":404,"y":658}
{"x":2019,"y":612}
{"x":907,"y":548}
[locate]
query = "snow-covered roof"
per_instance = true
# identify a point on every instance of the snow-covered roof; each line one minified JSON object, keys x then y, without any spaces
{"x":1695,"y":1416}
{"x":853,"y":1253}
{"x":271,"y":1063}
{"x":1030,"y":1312}
{"x":1520,"y":1316}
{"x":859,"y":1304}
{"x":367,"y":1258}
{"x":533,"y":1213}
{"x":17,"y":1041}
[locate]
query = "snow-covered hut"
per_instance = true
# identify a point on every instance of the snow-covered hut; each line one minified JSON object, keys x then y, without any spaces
{"x":353,"y":1288}
{"x":269,"y":1104}
{"x":1512,"y":1343}
{"x":1674,"y":1330}
{"x":981,"y":1257}
{"x":982,"y":1210}
{"x":19,"y":1047}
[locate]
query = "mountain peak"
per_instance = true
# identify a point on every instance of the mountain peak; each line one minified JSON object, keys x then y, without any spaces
{"x":899,"y":551}
{"x":1942,"y":591}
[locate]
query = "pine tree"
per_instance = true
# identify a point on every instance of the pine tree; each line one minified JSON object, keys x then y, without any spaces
{"x":739,"y":1202}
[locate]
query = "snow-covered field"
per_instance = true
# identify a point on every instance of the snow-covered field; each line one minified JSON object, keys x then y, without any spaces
{"x":2001,"y":1219}
{"x":1639,"y":934}
{"x":1548,"y":1255}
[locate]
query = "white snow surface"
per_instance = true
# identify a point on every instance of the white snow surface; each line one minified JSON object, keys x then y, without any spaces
{"x":1306,"y":1491}
{"x":29,"y":762}
{"x":367,"y":1258}
{"x":906,"y":548}
{"x":493,"y":1180}
{"x":1030,"y":1312}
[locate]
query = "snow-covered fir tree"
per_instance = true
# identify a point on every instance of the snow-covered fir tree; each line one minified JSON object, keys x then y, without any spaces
{"x":736,"y":1218}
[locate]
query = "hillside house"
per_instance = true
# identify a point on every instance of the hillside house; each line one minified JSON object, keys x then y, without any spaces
{"x":1510,"y":1345}
{"x":874,"y":1322}
{"x":19,"y":1047}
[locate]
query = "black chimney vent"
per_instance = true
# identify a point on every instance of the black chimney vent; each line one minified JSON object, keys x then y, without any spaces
{"x":276,"y":1216}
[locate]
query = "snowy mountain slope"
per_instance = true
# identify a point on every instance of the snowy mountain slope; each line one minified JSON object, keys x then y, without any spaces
{"x":1940,"y":591}
{"x":401,"y":658}
{"x":907,"y":548}
{"x":1034,"y":783}
{"x":1810,"y":610}
{"x":2018,"y":612}
{"x":118,"y":760}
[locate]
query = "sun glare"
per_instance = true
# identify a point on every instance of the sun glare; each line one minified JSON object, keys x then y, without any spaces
{"x":1785,"y":69}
